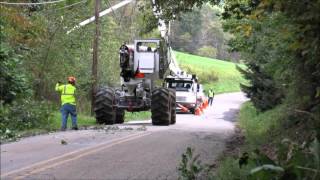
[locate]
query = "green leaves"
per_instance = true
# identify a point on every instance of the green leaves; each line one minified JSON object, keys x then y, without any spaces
{"x":293,"y":161}
{"x":315,"y":150}
{"x":265,"y":171}
{"x":23,"y":114}
{"x":13,"y":82}
{"x":172,"y":9}
{"x":190,"y":166}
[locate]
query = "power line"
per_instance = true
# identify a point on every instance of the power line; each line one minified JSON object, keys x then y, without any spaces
{"x":71,"y":5}
{"x":131,"y":19}
{"x":24,"y":4}
{"x":113,"y":13}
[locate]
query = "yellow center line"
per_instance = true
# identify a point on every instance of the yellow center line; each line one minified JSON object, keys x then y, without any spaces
{"x":43,"y":165}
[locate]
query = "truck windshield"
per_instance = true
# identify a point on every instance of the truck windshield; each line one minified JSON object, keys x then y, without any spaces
{"x":181,"y":85}
{"x":148,"y":47}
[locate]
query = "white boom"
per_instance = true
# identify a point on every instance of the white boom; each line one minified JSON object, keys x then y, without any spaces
{"x":102,"y":13}
{"x":164,"y":29}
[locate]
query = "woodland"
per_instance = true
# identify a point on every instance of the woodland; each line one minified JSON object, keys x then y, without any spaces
{"x":277,"y":40}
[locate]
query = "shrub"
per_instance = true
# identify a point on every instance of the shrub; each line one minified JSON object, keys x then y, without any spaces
{"x":263,"y":90}
{"x":294,"y":161}
{"x":13,"y":82}
{"x":23,"y":115}
{"x":190,"y":166}
{"x":207,"y":51}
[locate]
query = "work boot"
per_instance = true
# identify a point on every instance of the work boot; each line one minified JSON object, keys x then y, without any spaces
{"x":75,"y":128}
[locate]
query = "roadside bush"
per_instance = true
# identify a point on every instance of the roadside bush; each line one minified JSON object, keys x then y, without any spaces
{"x":22,"y":115}
{"x":13,"y":81}
{"x":190,"y":166}
{"x":258,"y":127}
{"x":207,"y":51}
{"x":294,"y":161}
{"x":274,"y":148}
{"x":263,"y":90}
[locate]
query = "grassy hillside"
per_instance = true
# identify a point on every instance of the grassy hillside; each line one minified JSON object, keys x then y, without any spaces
{"x":222,"y":76}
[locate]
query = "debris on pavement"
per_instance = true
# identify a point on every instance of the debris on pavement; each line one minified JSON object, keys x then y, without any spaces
{"x":127,"y":128}
{"x":142,"y":128}
{"x":64,"y":142}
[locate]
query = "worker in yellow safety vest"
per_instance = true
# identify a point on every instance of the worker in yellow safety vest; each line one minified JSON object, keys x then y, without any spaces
{"x":211,"y":96}
{"x":68,"y":102}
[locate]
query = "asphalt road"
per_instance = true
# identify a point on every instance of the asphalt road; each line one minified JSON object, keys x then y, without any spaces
{"x":134,"y":150}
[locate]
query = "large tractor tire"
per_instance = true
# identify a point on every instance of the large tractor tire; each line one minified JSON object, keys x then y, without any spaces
{"x":105,"y":113}
{"x":173,"y":106}
{"x":161,"y":107}
{"x":120,"y":116}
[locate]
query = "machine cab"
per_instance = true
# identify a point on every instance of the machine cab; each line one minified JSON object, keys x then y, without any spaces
{"x":146,"y":56}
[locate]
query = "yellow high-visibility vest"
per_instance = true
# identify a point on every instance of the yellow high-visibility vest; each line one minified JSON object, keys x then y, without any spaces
{"x":67,"y":92}
{"x":210,"y":93}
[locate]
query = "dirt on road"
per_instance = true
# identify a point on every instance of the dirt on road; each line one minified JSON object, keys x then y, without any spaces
{"x":135,"y":150}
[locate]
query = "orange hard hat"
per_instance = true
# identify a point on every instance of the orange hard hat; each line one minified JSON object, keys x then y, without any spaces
{"x":71,"y":79}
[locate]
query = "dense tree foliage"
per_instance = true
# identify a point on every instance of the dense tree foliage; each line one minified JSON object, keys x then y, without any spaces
{"x":282,"y":40}
{"x":12,"y":77}
{"x":279,"y":42}
{"x":36,"y":52}
{"x":200,"y":32}
{"x":171,"y":9}
{"x":39,"y":33}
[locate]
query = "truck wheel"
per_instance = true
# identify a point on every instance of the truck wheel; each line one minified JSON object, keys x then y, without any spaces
{"x":192,"y":110}
{"x":161,"y":107}
{"x":105,"y":113}
{"x":119,"y":116}
{"x":173,"y":106}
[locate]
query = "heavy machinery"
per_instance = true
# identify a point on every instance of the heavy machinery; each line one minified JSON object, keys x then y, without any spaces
{"x":141,"y":65}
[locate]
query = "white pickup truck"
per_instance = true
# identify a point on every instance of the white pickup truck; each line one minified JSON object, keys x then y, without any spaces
{"x":189,"y":93}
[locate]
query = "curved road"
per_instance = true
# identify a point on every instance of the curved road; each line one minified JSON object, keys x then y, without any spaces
{"x":135,"y":150}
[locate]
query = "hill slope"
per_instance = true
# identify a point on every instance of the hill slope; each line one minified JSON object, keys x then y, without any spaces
{"x":222,"y":76}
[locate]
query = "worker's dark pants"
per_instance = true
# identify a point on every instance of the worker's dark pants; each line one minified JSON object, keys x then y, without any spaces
{"x":67,"y":109}
{"x":210,"y":101}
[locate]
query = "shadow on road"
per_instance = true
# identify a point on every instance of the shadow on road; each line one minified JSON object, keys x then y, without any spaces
{"x":231,"y":115}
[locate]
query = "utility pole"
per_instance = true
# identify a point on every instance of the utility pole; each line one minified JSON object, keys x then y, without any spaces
{"x":95,"y":55}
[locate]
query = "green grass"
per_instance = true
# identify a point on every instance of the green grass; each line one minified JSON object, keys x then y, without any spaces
{"x":259,"y":126}
{"x":143,"y":115}
{"x":84,"y":120}
{"x":273,"y":137}
{"x":222,"y":76}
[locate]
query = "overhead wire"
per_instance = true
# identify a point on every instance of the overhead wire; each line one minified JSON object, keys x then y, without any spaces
{"x":71,"y":5}
{"x":115,"y":16}
{"x":26,"y":4}
{"x":57,"y":9}
{"x":131,"y":19}
{"x":113,"y":13}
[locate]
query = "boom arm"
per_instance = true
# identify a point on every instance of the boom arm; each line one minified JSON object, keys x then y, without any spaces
{"x":164,"y":29}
